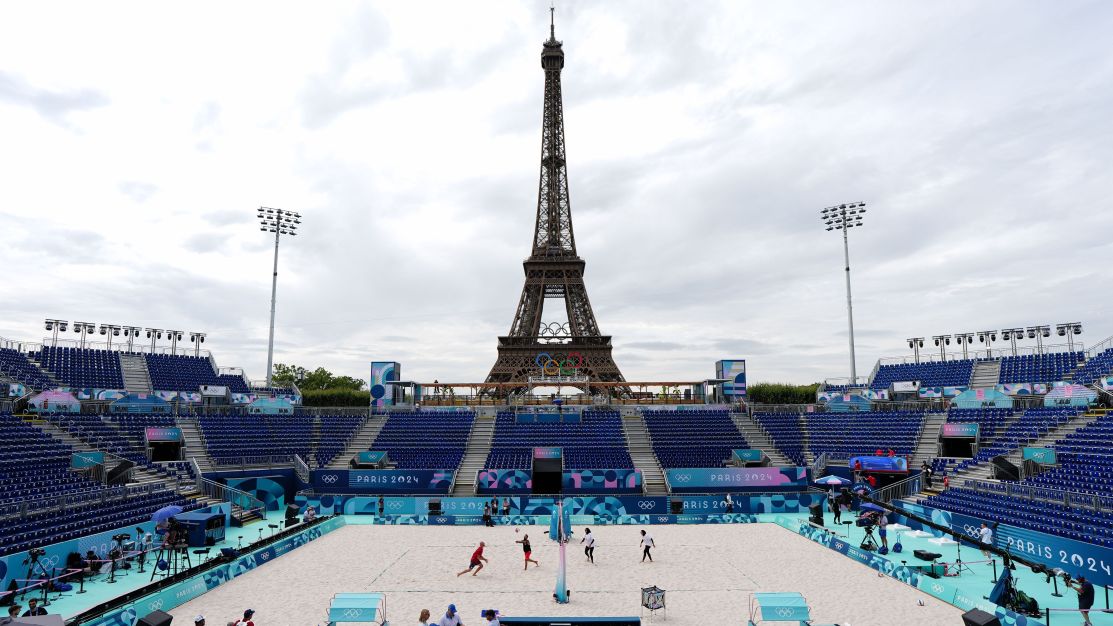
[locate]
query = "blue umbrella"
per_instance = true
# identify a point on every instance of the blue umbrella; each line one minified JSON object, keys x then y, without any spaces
{"x":165,"y":513}
{"x":832,"y":480}
{"x":869,"y":506}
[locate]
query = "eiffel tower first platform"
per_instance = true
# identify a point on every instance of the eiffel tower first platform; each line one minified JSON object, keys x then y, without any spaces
{"x":534,"y":348}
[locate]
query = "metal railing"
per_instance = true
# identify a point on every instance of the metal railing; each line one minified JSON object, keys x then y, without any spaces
{"x":243,"y":462}
{"x":138,"y":347}
{"x":1100,"y":347}
{"x":902,"y":489}
{"x":32,"y":506}
{"x":1034,"y":493}
{"x":301,"y":468}
{"x":973,"y":354}
{"x":820,"y":465}
{"x":219,"y":491}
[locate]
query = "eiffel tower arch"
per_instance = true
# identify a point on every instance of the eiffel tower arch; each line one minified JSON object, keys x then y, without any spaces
{"x":554,"y":270}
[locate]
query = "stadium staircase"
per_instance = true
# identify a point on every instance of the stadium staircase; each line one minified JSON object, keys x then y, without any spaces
{"x":137,"y":378}
{"x":928,"y":446}
{"x":986,"y":373}
{"x":194,"y":444}
{"x":758,"y":438}
{"x":475,"y":456}
{"x":141,"y":474}
{"x":640,"y":446}
{"x":33,"y":359}
{"x":361,"y":442}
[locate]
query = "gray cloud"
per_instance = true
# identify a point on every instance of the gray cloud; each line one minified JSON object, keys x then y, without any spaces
{"x":53,"y":106}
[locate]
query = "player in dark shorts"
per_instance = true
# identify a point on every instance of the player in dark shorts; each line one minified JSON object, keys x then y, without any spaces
{"x":526,"y":549}
{"x":589,"y":547}
{"x":477,"y":560}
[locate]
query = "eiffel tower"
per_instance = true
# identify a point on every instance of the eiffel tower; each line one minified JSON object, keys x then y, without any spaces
{"x":554,"y":270}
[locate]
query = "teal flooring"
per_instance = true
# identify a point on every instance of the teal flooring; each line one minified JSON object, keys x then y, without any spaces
{"x":976,"y":577}
{"x":98,"y":590}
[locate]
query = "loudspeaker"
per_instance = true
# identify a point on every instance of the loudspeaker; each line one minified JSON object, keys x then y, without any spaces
{"x":676,"y":506}
{"x":157,"y":618}
{"x":434,"y":506}
{"x":978,"y":617}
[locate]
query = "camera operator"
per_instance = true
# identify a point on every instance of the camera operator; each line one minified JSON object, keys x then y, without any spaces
{"x":33,"y":608}
{"x":1085,"y":591}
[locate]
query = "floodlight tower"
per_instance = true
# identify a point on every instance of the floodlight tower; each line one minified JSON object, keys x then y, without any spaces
{"x":1011,"y":335}
{"x":85,"y":328}
{"x":987,"y":337}
{"x":1039,"y":333}
{"x":942,"y":341}
{"x":280,"y":222}
{"x":844,"y":217}
{"x":1069,"y":330}
{"x":964,"y":340}
{"x":56,"y":326}
{"x":197,"y":339}
{"x":916,"y":343}
{"x":110,"y":331}
{"x":132,"y":333}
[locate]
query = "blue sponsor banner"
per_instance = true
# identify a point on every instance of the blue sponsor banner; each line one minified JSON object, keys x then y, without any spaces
{"x":371,"y":457}
{"x":737,"y":479}
{"x":381,"y":481}
{"x":747,"y":456}
{"x":960,"y":430}
{"x":504,"y":481}
{"x":168,"y":598}
{"x":882,"y":464}
{"x":163,"y":434}
{"x":85,"y":460}
{"x":1043,"y":456}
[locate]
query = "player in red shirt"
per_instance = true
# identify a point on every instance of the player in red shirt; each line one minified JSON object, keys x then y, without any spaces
{"x":477,"y":560}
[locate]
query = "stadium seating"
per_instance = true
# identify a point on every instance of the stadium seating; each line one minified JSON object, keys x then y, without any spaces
{"x":1039,"y":368}
{"x":425,"y":439}
{"x":14,"y":365}
{"x":99,"y":433}
{"x":1100,"y":365}
{"x":697,"y":438}
{"x":1085,"y":460}
{"x":335,"y":433}
{"x":177,"y":372}
{"x":989,"y":421}
{"x":932,"y":374}
{"x":1055,"y":519}
{"x":784,"y":429}
{"x":236,"y":438}
{"x":82,"y":367}
{"x":234,"y":382}
{"x":844,"y":435}
{"x":34,"y":471}
{"x":1031,"y":425}
{"x":595,"y":442}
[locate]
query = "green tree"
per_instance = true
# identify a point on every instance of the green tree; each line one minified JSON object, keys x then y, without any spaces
{"x":319,"y":379}
{"x":781,"y":393}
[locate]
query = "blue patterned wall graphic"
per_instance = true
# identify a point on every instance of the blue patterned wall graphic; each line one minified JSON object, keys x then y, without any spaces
{"x":270,"y":491}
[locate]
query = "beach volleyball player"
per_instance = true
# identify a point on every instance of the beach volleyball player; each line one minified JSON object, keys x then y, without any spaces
{"x":527,"y":550}
{"x":477,"y":560}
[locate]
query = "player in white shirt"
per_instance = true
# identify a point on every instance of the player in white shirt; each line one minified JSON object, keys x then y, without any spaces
{"x":985,"y":534}
{"x":589,"y":547}
{"x":647,"y":543}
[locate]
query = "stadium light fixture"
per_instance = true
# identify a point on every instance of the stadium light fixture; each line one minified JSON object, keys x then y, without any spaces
{"x":1039,"y":333}
{"x":174,"y":336}
{"x":85,"y":328}
{"x":131,"y":333}
{"x":55,"y":327}
{"x":844,"y":217}
{"x":109,"y":331}
{"x":987,"y":337}
{"x":197,"y":339}
{"x":964,"y":340}
{"x":1011,"y":335}
{"x":1068,"y":330}
{"x":154,"y":334}
{"x":280,"y":222}
{"x":942,"y":341}
{"x":916,"y":343}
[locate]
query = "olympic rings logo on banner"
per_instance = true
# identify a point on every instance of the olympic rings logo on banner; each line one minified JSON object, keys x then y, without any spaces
{"x":646,"y":505}
{"x":556,"y":366}
{"x":353,"y":612}
{"x":784,"y":611}
{"x":937,"y":588}
{"x":330,"y":478}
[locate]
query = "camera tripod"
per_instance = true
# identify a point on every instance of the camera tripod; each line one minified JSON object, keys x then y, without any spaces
{"x":959,"y":565}
{"x":35,"y":567}
{"x":174,"y":556}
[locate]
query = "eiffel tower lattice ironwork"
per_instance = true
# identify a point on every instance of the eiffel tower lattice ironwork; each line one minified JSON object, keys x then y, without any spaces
{"x":554,"y":270}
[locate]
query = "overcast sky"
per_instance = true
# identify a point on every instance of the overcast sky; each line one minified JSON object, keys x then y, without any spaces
{"x":137,"y":140}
